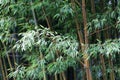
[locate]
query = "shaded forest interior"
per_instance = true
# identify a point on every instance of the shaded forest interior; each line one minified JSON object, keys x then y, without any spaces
{"x":59,"y":39}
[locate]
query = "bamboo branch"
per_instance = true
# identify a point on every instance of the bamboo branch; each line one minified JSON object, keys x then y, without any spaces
{"x":78,"y":3}
{"x":34,"y":16}
{"x":99,"y":31}
{"x":48,"y":23}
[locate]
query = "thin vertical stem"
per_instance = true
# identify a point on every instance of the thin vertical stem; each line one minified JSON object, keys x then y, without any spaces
{"x":10,"y":64}
{"x":102,"y":5}
{"x":79,"y":33}
{"x":98,"y":36}
{"x":112,"y":77}
{"x":8,"y":58}
{"x":74,"y":75}
{"x":63,"y":75}
{"x":14,"y":59}
{"x":1,"y":65}
{"x":44,"y":77}
{"x":56,"y":78}
{"x":102,"y":61}
{"x":6,"y":74}
{"x":103,"y":67}
{"x":34,"y":16}
{"x":60,"y":76}
{"x":47,"y":20}
{"x":93,"y":6}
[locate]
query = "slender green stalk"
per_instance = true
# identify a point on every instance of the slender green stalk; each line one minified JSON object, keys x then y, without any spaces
{"x":44,"y":77}
{"x":75,"y":75}
{"x":3,"y":73}
{"x":34,"y":16}
{"x":60,"y":76}
{"x":5,"y":68}
{"x":93,"y":6}
{"x":56,"y":78}
{"x":63,"y":75}
{"x":103,"y":67}
{"x":47,"y":20}
{"x":8,"y":58}
{"x":112,"y":75}
{"x":14,"y":59}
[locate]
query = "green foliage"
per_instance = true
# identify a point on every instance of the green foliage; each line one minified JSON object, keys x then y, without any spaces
{"x":108,"y":48}
{"x":47,"y":51}
{"x":42,"y":41}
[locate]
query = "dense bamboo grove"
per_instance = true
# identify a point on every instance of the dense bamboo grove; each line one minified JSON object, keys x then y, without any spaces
{"x":59,"y":40}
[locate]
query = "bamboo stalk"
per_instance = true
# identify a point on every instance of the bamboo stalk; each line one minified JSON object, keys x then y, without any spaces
{"x":41,"y":56}
{"x":93,"y":6}
{"x":86,"y":61}
{"x":102,"y":61}
{"x":80,"y":35}
{"x":44,"y":77}
{"x":62,"y":75}
{"x":103,"y":67}
{"x":112,"y":76}
{"x":48,"y":23}
{"x":14,"y":59}
{"x":75,"y":75}
{"x":33,"y":13}
{"x":3,"y":73}
{"x":47,"y":20}
{"x":8,"y":58}
{"x":102,"y":5}
{"x":56,"y":78}
{"x":10,"y":64}
{"x":6,"y":74}
{"x":113,"y":4}
{"x":98,"y":36}
{"x":81,"y":41}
